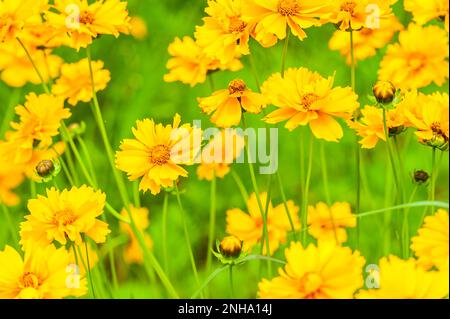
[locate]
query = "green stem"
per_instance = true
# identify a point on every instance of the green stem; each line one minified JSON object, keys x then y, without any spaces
{"x":254,"y":71}
{"x":240,"y":185}
{"x":391,"y":155}
{"x":87,"y":155}
{"x":164,"y":232}
{"x":352,"y":61}
{"x":306,"y":190}
{"x":33,"y":192}
{"x":71,"y":166}
{"x":9,"y":112}
{"x":10,"y":223}
{"x":136,"y":195}
{"x":266,"y":214}
{"x":231,"y":282}
{"x":286,"y":207}
{"x":212,"y":223}
{"x":187,"y":239}
{"x":432,"y":187}
{"x":285,"y":50}
{"x":87,"y":267}
{"x":405,"y":226}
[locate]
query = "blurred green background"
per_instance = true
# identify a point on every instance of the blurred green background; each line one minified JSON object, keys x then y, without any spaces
{"x":137,"y":91}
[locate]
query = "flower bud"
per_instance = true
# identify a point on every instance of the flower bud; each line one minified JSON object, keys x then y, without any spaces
{"x":420,"y":177}
{"x":384,"y":92}
{"x":45,"y":168}
{"x":231,"y":247}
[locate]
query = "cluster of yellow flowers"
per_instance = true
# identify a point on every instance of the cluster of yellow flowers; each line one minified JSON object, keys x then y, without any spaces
{"x":62,"y":221}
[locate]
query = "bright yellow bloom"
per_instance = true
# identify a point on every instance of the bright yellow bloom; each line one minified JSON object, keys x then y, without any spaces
{"x":404,"y":279}
{"x":329,"y":223}
{"x":85,"y":22}
{"x":16,"y":14}
{"x":190,"y":65}
{"x":371,"y":125}
{"x":65,"y":216}
{"x":431,"y":244}
{"x":11,"y":176}
{"x":226,"y":105}
{"x":249,"y":226}
{"x":270,"y":19}
{"x":426,"y":10}
{"x":75,"y":83}
{"x":157,"y":153}
{"x":44,"y":35}
{"x":367,"y":41}
{"x":17,"y":70}
{"x":325,"y":271}
{"x":357,"y":14}
{"x":304,"y":97}
{"x":44,"y":273}
{"x":220,"y":152}
{"x":138,"y":28}
{"x":224,"y":35}
{"x":412,"y":64}
{"x":133,"y":251}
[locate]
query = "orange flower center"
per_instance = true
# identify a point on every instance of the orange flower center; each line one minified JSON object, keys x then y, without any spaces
{"x":159,"y":155}
{"x":366,"y":31}
{"x":29,"y":280}
{"x":310,"y":284}
{"x":86,"y":18}
{"x":236,"y":25}
{"x":288,"y":7}
{"x":64,"y":218}
{"x":308,"y":100}
{"x":348,"y":6}
{"x":236,"y":86}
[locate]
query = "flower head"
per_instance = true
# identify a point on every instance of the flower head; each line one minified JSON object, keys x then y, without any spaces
{"x":404,"y":279}
{"x":431,"y":244}
{"x":249,"y":226}
{"x":11,"y":176}
{"x":157,"y":152}
{"x":230,"y":247}
{"x":304,"y":97}
{"x":425,"y":10}
{"x":412,"y":64}
{"x":325,"y":271}
{"x":329,"y":223}
{"x":226,"y":106}
{"x":65,"y":216}
{"x":41,"y":274}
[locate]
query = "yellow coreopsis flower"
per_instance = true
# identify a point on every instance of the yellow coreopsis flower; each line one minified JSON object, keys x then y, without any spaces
{"x":17,"y":70}
{"x":65,"y":216}
{"x":249,"y":226}
{"x":366,"y":41}
{"x":190,"y":65}
{"x":226,"y":106}
{"x":357,"y":14}
{"x":426,"y":10}
{"x":412,"y":64}
{"x":44,"y":273}
{"x":404,"y":279}
{"x":11,"y":176}
{"x":270,"y":19}
{"x":157,"y":152}
{"x":304,"y":97}
{"x":330,"y":223}
{"x":85,"y":22}
{"x":431,"y":244}
{"x":16,"y":14}
{"x":371,"y":125}
{"x":224,"y":35}
{"x":75,"y":83}
{"x":133,"y":251}
{"x":325,"y":271}
{"x":220,"y":152}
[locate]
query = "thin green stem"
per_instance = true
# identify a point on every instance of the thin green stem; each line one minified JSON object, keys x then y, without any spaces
{"x":187,"y":239}
{"x":89,"y":161}
{"x":285,"y":51}
{"x":211,"y":82}
{"x":254,"y":71}
{"x":306,"y":190}
{"x":164,"y":232}
{"x":10,"y":223}
{"x":8,"y":114}
{"x":231,"y":282}
{"x":136,"y":195}
{"x":286,"y":206}
{"x":432,"y":187}
{"x":266,"y":242}
{"x":352,"y":61}
{"x":33,"y":192}
{"x":88,"y":266}
{"x":65,"y":168}
{"x":212,"y":223}
{"x":71,"y":166}
{"x":390,"y":152}
{"x":405,"y":226}
{"x":240,"y":185}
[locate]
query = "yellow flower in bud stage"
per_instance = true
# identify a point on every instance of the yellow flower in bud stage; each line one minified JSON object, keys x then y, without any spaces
{"x":230,"y":247}
{"x":371,"y":125}
{"x":325,"y":271}
{"x":16,"y":14}
{"x":249,"y":227}
{"x":17,"y":70}
{"x":226,"y":106}
{"x":426,"y":10}
{"x":11,"y":176}
{"x":133,"y":251}
{"x":404,"y":279}
{"x":412,"y":64}
{"x":65,"y":216}
{"x":366,"y":41}
{"x":224,"y":35}
{"x":220,"y":152}
{"x":304,"y":97}
{"x":85,"y":22}
{"x":431,"y":244}
{"x":330,"y":223}
{"x":75,"y":83}
{"x":270,"y":19}
{"x":384,"y":92}
{"x":44,"y":273}
{"x":189,"y":64}
{"x":157,"y":152}
{"x":357,"y":14}
{"x":138,"y":28}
